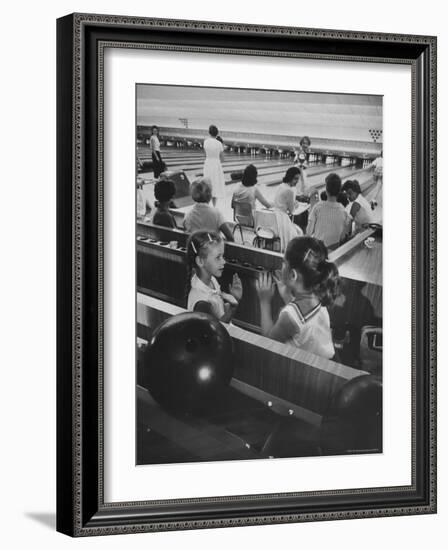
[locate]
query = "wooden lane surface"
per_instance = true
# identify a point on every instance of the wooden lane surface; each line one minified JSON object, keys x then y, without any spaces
{"x":297,"y":380}
{"x":356,"y":261}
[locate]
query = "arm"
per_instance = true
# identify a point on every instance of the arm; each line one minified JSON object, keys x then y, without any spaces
{"x":259,"y":196}
{"x":347,"y":228}
{"x":354,"y":210}
{"x":311,"y":222}
{"x":291,"y":201}
{"x":265,"y":290}
{"x":225,"y":229}
{"x":283,"y":290}
{"x":301,"y":184}
{"x":223,"y":225}
{"x":284,"y":328}
{"x":205,"y":307}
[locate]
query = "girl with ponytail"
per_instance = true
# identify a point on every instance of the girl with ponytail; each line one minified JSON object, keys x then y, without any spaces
{"x":205,"y":264}
{"x":308,"y":283}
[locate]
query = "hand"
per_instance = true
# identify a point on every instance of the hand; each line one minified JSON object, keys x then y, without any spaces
{"x":229,"y":300}
{"x":236,"y":288}
{"x":314,"y":198}
{"x":283,"y":290}
{"x":265,"y":287}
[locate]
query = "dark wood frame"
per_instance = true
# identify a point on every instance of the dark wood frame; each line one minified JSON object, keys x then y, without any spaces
{"x":81,"y":38}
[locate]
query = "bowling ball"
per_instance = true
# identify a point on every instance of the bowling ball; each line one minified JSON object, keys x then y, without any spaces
{"x":359,"y":398}
{"x":188,"y":362}
{"x":354,"y":419}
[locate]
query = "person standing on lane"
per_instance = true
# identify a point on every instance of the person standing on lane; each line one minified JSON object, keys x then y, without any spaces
{"x":214,"y":154}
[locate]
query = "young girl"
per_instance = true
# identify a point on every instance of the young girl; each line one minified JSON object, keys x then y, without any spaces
{"x":205,"y":263}
{"x":307,"y":284}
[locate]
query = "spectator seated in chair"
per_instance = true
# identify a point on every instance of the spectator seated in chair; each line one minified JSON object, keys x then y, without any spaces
{"x":202,"y":216}
{"x":164,"y":191}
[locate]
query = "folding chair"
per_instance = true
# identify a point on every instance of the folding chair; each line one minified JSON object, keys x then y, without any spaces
{"x":266,"y":230}
{"x":243,"y":216}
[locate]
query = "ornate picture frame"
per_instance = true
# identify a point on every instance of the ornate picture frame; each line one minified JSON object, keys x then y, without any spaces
{"x":81,"y":506}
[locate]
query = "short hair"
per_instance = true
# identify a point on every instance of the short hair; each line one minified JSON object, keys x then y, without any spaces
{"x":305,"y":138}
{"x":290,"y":174}
{"x":352,"y":185}
{"x":201,"y":190}
{"x":249,"y":176}
{"x":343,"y":199}
{"x":333,"y":184}
{"x":164,"y":190}
{"x":154,"y":127}
{"x":213,"y":130}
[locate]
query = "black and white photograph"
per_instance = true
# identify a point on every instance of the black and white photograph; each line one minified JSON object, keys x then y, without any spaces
{"x":259,"y":274}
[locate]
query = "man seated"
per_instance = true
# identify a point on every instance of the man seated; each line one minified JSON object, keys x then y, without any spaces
{"x":328,"y":219}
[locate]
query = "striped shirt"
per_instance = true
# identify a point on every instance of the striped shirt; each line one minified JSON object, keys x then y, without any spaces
{"x":329,"y":222}
{"x":311,"y":332}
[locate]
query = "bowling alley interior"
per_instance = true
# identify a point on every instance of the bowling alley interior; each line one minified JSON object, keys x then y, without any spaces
{"x":258,"y":274}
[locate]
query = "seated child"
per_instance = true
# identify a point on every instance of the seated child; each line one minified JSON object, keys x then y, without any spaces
{"x":328,"y":220}
{"x":308,"y":283}
{"x":205,"y":263}
{"x":360,"y":210}
{"x":203,"y":216}
{"x":164,"y":191}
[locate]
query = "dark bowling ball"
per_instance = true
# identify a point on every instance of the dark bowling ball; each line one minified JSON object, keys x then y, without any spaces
{"x":354,"y":419}
{"x":359,"y":398}
{"x":188,"y":362}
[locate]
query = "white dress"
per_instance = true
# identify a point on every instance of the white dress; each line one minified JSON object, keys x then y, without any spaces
{"x":213,"y":168}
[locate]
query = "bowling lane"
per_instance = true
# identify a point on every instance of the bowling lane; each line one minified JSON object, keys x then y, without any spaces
{"x":269,"y":189}
{"x":358,"y":262}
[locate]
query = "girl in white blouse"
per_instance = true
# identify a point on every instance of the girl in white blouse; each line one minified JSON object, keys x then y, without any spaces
{"x":307,"y":284}
{"x":205,"y":264}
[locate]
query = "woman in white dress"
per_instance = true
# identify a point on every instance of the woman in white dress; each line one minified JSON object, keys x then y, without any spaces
{"x":214,"y":153}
